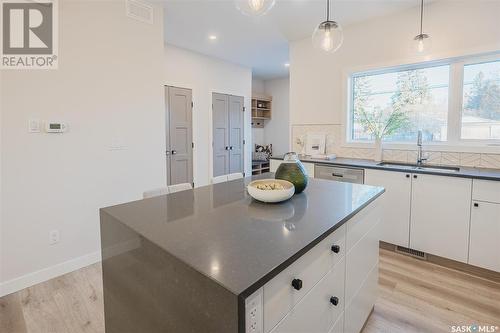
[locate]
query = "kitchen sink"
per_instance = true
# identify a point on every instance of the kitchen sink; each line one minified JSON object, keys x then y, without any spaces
{"x":431,"y":168}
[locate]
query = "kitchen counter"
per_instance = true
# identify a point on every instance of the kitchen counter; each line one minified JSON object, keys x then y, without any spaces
{"x":214,"y":234}
{"x":464,"y":172}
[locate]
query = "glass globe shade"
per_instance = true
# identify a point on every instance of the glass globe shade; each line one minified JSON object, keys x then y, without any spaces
{"x":328,"y":36}
{"x":254,"y":7}
{"x":422,"y":44}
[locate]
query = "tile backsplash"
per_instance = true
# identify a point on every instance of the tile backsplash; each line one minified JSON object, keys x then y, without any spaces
{"x":333,"y":146}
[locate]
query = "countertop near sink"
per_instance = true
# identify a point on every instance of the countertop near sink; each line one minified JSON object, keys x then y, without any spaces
{"x":464,"y":172}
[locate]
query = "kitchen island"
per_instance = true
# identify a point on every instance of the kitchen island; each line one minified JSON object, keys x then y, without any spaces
{"x":213,"y":259}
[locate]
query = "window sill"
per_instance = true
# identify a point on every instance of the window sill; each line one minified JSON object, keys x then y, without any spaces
{"x":466,"y":147}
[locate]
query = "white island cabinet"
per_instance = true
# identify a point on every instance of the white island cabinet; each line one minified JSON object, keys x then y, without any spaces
{"x":330,"y":289}
{"x":484,"y":246}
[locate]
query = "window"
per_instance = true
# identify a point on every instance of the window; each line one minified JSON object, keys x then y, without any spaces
{"x":481,"y":101}
{"x":398,"y":102}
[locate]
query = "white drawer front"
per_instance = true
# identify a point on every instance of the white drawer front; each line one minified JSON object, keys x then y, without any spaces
{"x":338,"y":327}
{"x":362,"y":222}
{"x":486,"y":190}
{"x":280,"y":296}
{"x":315,"y":313}
{"x":360,"y":260}
{"x":358,"y":310}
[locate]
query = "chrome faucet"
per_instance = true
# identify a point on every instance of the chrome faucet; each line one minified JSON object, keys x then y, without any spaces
{"x":420,"y":154}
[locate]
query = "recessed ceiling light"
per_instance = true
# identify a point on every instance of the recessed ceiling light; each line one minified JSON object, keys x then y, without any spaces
{"x":287,"y":64}
{"x":212,"y":37}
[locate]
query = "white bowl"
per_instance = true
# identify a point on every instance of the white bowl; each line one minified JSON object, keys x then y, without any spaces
{"x":271,"y":195}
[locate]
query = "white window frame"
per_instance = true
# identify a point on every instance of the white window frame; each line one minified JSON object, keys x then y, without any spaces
{"x":454,"y":140}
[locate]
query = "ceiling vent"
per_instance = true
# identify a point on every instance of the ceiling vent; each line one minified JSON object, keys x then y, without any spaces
{"x":140,"y":10}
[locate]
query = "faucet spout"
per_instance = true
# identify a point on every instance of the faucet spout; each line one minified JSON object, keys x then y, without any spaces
{"x":420,"y":154}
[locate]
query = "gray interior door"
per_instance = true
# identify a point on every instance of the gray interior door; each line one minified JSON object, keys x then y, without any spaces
{"x":236,"y":136}
{"x":220,"y":119}
{"x":179,"y":136}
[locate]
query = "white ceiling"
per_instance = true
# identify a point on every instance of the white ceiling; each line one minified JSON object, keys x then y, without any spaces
{"x":262,"y":43}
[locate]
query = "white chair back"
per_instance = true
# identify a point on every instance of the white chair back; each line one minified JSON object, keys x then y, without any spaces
{"x":155,"y":192}
{"x":233,"y":176}
{"x":179,"y":187}
{"x":219,"y":179}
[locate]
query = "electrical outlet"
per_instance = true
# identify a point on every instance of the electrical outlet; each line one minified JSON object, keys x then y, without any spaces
{"x":54,"y":237}
{"x":253,"y":313}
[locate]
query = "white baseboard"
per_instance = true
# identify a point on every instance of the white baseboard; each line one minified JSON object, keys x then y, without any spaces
{"x":28,"y":280}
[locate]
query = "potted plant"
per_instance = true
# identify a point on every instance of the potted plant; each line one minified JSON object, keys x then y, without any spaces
{"x":380,"y":123}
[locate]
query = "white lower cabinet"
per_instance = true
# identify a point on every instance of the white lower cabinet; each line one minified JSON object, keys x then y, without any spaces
{"x":341,"y":270}
{"x":424,"y":212}
{"x":440,"y":213}
{"x":484,"y":246}
{"x":395,"y":202}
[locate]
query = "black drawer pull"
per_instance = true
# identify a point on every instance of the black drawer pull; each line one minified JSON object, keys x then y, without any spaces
{"x":297,"y":284}
{"x":476,"y":204}
{"x":334,"y":300}
{"x":335,"y":248}
{"x":337,"y":175}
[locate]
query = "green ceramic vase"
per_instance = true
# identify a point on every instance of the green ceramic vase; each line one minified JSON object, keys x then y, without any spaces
{"x":293,"y":170}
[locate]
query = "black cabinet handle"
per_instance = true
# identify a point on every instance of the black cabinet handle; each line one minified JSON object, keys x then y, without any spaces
{"x":174,"y":152}
{"x":476,"y":204}
{"x":230,"y":147}
{"x":335,"y":248}
{"x":415,"y":176}
{"x":297,"y":284}
{"x":227,"y":147}
{"x":407,"y":176}
{"x":334,"y":300}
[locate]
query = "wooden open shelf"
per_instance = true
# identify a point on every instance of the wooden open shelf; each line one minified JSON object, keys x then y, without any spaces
{"x":261,"y":110}
{"x":259,"y":167}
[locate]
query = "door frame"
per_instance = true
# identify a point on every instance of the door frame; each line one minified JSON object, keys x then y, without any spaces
{"x":167,"y":130}
{"x":211,"y":130}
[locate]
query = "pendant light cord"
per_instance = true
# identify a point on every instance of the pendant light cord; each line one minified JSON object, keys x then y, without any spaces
{"x":421,"y":16}
{"x":328,"y":10}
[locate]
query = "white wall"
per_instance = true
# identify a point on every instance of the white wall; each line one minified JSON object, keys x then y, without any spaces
{"x":204,"y":75}
{"x":277,"y":130}
{"x":457,"y":28}
{"x":109,"y":89}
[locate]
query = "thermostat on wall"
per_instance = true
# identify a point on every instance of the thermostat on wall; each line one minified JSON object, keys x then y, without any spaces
{"x":55,"y":127}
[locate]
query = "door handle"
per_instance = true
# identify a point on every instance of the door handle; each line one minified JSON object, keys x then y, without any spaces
{"x":227,"y":147}
{"x":230,"y":147}
{"x":174,"y":152}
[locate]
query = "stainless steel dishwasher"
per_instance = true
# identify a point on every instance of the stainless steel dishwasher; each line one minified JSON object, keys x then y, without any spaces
{"x":341,"y":174}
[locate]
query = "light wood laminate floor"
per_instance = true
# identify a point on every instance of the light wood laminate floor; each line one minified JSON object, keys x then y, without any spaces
{"x":415,"y":296}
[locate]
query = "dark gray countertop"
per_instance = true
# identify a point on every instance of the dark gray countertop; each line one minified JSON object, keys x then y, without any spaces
{"x":240,"y":243}
{"x":465,"y":172}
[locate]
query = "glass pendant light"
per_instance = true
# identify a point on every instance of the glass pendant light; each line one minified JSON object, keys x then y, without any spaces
{"x":328,"y":34}
{"x":254,"y":7}
{"x":422,"y":42}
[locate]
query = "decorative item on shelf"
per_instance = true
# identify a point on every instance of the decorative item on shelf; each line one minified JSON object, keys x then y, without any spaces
{"x":422,"y":42}
{"x":301,"y":142}
{"x":315,"y":144}
{"x":254,"y":8}
{"x":271,"y":190}
{"x":328,"y":35}
{"x":292,"y":170}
